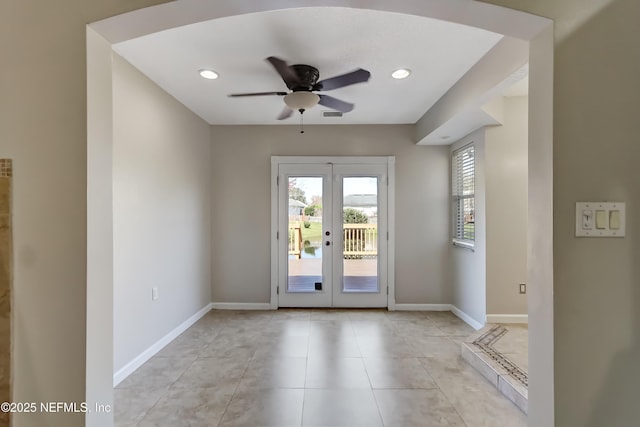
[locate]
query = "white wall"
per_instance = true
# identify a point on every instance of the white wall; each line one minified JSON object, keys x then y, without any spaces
{"x":468,"y":266}
{"x":99,"y":352}
{"x":161,"y":213}
{"x":241,"y":199}
{"x":506,"y":209}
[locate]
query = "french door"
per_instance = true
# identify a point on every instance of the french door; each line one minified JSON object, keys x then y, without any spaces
{"x":331,"y":232}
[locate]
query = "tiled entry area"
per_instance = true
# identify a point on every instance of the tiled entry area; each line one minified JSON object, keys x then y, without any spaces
{"x":315,"y":368}
{"x":500,"y":354}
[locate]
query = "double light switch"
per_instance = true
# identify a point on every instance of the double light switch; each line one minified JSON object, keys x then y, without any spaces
{"x":600,"y":219}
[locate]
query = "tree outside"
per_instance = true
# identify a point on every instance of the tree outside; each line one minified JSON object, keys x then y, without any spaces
{"x":354,"y":216}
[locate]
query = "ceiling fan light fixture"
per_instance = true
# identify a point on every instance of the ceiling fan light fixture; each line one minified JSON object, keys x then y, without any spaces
{"x":301,"y":100}
{"x":401,"y":73}
{"x":208,"y":74}
{"x":302,"y":80}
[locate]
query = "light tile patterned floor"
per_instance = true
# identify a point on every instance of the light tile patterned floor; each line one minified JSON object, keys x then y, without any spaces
{"x":314,"y":368}
{"x":500,"y":354}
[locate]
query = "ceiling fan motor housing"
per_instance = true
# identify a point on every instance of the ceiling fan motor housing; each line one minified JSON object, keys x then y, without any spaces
{"x":302,"y":81}
{"x":308,"y":77}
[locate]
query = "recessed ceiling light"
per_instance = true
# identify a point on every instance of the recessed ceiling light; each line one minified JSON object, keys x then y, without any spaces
{"x":402,"y":73}
{"x":208,"y":74}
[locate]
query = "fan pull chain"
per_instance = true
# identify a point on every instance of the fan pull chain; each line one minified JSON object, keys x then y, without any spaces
{"x":301,"y":120}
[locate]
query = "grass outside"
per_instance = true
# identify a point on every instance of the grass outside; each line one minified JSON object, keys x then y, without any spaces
{"x":470,"y":230}
{"x":313,"y":233}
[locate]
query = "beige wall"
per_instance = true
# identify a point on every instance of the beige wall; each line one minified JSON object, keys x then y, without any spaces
{"x":597,"y":297}
{"x":161,"y":213}
{"x":596,"y":289}
{"x":242,"y":193}
{"x":469,"y":266}
{"x":485,"y":280}
{"x":506,"y":208}
{"x":43,"y":124}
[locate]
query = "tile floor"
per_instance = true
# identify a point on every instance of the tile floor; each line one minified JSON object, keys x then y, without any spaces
{"x":314,"y":368}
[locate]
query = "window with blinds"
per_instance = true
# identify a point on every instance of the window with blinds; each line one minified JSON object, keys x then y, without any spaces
{"x":463,"y":186}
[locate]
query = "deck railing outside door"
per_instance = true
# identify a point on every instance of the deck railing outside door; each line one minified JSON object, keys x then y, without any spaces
{"x":359,"y":240}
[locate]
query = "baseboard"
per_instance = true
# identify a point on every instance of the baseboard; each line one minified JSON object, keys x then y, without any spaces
{"x":468,"y":319}
{"x":422,"y":307}
{"x":130,"y":367}
{"x":508,"y":318}
{"x":241,"y":306}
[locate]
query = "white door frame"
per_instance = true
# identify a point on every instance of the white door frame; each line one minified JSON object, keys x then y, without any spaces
{"x":389,"y":161}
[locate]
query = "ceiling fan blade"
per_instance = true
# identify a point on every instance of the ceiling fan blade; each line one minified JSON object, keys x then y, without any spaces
{"x":286,"y":72}
{"x":357,"y":76}
{"x":335,"y":103}
{"x":237,"y":95}
{"x":285,"y":114}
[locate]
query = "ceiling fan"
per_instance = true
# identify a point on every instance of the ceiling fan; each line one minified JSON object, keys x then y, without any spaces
{"x":302,"y":81}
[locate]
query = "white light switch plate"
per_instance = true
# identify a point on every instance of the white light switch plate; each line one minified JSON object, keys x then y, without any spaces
{"x":594,"y":219}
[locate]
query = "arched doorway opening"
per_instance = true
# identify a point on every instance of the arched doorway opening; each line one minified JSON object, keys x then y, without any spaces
{"x":536,"y":31}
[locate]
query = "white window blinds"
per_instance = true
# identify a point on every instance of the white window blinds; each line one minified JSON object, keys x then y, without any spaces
{"x":463,"y":185}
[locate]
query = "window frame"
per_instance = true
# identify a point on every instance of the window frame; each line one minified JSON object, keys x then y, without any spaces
{"x":460,"y":194}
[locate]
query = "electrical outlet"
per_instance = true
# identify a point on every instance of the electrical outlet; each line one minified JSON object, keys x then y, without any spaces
{"x":154,"y":293}
{"x":523,"y":288}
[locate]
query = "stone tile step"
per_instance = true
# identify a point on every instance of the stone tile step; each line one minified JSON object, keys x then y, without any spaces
{"x":505,"y":375}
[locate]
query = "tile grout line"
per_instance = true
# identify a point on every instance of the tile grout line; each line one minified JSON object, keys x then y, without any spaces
{"x":444,"y":393}
{"x":235,"y":389}
{"x":306,"y":370}
{"x":485,"y":343}
{"x":352,"y":321}
{"x":164,"y":394}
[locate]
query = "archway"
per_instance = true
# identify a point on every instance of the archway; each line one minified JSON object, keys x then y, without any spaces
{"x":101,"y":35}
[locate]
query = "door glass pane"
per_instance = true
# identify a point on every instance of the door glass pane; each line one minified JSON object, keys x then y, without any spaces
{"x":360,"y":234}
{"x":305,"y":234}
